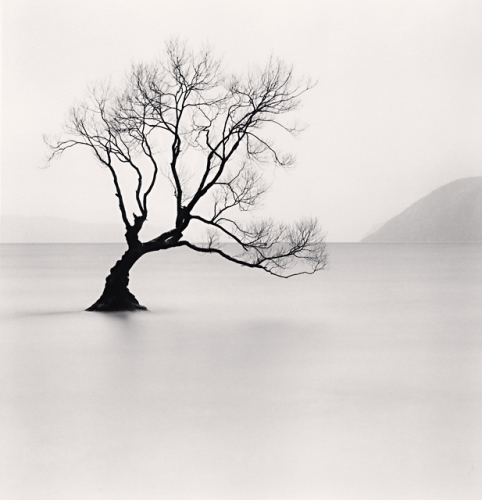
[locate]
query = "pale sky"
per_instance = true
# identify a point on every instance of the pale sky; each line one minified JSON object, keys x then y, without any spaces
{"x":396,"y":113}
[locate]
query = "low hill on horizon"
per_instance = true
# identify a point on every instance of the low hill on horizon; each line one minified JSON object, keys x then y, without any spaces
{"x":35,"y":229}
{"x":450,"y":214}
{"x":43,"y":229}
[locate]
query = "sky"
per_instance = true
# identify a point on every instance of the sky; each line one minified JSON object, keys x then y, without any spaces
{"x":396,"y":112}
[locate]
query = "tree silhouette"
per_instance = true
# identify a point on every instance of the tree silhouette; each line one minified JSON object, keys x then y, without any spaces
{"x":209,"y":135}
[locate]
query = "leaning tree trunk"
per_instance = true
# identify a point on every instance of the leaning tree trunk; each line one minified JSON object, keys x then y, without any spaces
{"x":116,"y":295}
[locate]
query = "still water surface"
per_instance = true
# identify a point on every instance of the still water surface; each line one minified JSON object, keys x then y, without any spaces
{"x":361,"y":382}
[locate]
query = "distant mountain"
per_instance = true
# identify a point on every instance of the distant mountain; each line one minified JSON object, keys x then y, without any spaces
{"x":450,"y":214}
{"x":374,"y":228}
{"x":37,"y":229}
{"x":20,"y":229}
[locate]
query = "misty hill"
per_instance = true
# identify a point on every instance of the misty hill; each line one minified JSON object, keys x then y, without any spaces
{"x":36,"y":229}
{"x":20,"y":229}
{"x":450,"y":214}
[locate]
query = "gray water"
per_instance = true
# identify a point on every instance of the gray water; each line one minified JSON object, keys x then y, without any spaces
{"x":360,"y":382}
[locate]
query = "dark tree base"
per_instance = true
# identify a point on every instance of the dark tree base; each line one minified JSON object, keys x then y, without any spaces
{"x":116,"y":303}
{"x":116,"y":295}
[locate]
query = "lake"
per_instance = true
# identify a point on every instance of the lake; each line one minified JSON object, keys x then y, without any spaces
{"x":360,"y":382}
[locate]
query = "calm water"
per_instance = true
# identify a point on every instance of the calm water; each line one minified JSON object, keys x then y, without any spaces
{"x":361,"y":382}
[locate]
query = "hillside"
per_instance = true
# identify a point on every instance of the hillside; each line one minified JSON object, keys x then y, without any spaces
{"x":450,"y":214}
{"x":36,"y":229}
{"x":18,"y":229}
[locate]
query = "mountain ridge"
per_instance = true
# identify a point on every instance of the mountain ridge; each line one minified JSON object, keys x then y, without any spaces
{"x":451,"y":213}
{"x":36,"y":229}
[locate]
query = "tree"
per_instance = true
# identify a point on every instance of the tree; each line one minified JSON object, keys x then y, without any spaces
{"x":209,"y":135}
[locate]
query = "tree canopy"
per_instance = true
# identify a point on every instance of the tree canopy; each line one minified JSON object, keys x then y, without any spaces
{"x":209,"y":134}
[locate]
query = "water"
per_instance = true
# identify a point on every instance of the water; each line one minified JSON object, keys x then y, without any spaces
{"x":361,"y":382}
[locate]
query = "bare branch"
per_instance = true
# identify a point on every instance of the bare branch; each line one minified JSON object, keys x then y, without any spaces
{"x":209,"y":133}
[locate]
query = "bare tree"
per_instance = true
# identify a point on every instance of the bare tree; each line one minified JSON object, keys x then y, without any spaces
{"x":213,"y":133}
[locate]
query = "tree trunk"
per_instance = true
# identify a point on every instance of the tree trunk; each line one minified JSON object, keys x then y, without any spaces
{"x":116,"y":295}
